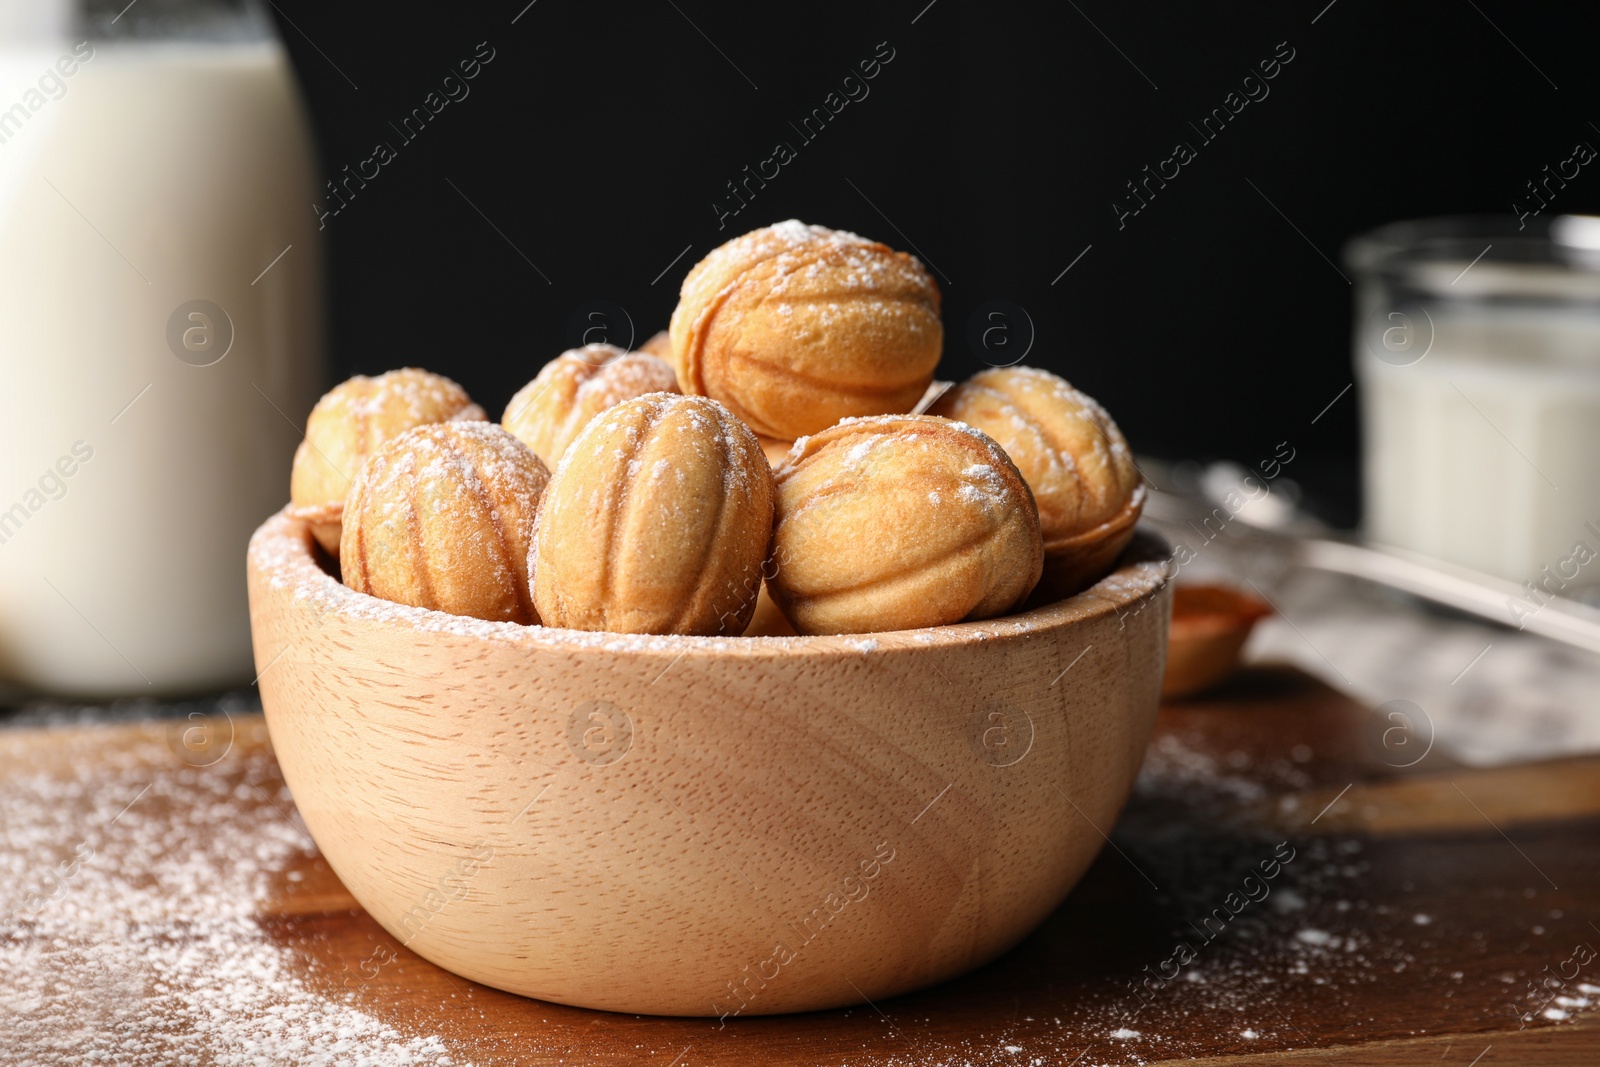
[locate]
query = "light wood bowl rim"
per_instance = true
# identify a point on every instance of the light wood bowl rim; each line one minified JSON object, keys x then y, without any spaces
{"x":282,"y":550}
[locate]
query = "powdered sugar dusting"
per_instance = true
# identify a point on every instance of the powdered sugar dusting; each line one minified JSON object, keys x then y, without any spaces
{"x":1067,"y":446}
{"x":356,"y":417}
{"x":549,"y":412}
{"x":799,"y":256}
{"x":979,"y":484}
{"x":408,"y":395}
{"x":450,"y":499}
{"x":129,"y":930}
{"x":700,"y":425}
{"x":799,"y":242}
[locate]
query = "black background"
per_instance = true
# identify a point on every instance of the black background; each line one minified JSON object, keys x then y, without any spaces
{"x":1213,"y":324}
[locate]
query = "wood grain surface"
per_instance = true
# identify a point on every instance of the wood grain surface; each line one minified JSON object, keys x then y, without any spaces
{"x":1414,"y":923}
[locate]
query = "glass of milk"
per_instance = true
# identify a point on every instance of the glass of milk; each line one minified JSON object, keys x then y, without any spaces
{"x":1477,"y":350}
{"x":160,"y":335}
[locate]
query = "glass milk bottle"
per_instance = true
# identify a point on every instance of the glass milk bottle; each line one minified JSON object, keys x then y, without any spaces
{"x":160,"y":335}
{"x":1477,"y":348}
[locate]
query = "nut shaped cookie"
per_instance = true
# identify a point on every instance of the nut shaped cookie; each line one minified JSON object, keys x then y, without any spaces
{"x":352,"y":421}
{"x":795,"y":327}
{"x":898,"y":522}
{"x":658,"y":344}
{"x":1073,"y":457}
{"x":777,"y":451}
{"x":442,"y":517}
{"x":657,"y":521}
{"x":548,"y":412}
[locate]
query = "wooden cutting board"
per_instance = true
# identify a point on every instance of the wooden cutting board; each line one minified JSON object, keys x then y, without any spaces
{"x":1289,"y":883}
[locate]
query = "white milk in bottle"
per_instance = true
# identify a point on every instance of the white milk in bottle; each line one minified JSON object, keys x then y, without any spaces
{"x":1477,"y":348}
{"x":160,"y":336}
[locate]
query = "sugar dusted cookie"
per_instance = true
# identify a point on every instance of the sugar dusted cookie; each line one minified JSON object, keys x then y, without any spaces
{"x":548,"y":412}
{"x":349,"y":423}
{"x":897,"y":522}
{"x":657,"y":521}
{"x":795,"y":327}
{"x":442,"y":517}
{"x":1074,"y":459}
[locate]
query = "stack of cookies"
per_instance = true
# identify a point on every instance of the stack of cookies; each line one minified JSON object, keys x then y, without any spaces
{"x":763,"y":468}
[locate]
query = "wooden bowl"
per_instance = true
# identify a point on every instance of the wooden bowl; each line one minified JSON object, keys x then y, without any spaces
{"x":704,"y":826}
{"x":1210,"y":624}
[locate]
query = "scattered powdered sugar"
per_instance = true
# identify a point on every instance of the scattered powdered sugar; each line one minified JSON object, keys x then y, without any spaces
{"x":130,"y":931}
{"x":795,"y":255}
{"x":699,"y":425}
{"x":970,"y":430}
{"x":795,"y":232}
{"x":983,"y":483}
{"x":1170,"y":763}
{"x":1099,"y":462}
{"x":414,"y":394}
{"x":985,"y":487}
{"x":1286,"y":900}
{"x":863,"y":448}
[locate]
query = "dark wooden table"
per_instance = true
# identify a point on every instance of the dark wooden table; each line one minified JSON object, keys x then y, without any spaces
{"x":1287,"y":888}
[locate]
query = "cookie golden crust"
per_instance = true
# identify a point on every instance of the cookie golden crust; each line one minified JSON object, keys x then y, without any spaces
{"x":353,"y":420}
{"x":1075,"y":460}
{"x":795,"y":327}
{"x":777,"y":451}
{"x":550,"y":411}
{"x":442,"y":517}
{"x":1072,"y":455}
{"x":899,"y":522}
{"x":659,"y":345}
{"x":657,"y":521}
